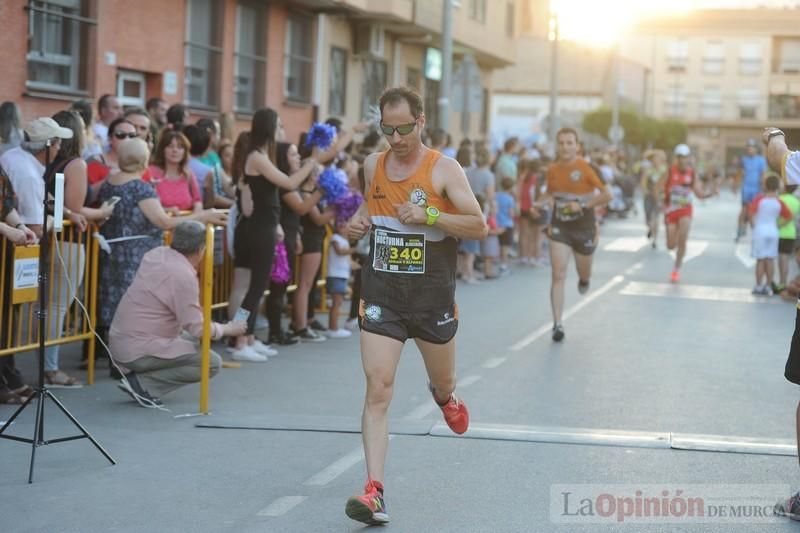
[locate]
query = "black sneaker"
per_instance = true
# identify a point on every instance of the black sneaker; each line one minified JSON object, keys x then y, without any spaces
{"x":283,"y":338}
{"x":558,"y":333}
{"x":130,"y":385}
{"x":308,"y":335}
{"x":583,"y":286}
{"x":316,"y":326}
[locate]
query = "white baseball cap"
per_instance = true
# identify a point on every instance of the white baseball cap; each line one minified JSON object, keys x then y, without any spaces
{"x":44,"y":128}
{"x":682,"y":151}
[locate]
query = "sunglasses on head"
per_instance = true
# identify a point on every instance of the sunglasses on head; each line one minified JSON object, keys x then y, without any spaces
{"x":122,"y":135}
{"x":402,"y":129}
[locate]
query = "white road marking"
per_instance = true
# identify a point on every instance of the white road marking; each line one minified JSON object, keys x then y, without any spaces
{"x":743,"y":255}
{"x":494,"y":362}
{"x":694,"y":249}
{"x":634,"y":268}
{"x":626,"y":244}
{"x":282,"y":505}
{"x":467,"y":381}
{"x":695,"y":292}
{"x":337,"y":468}
{"x":533,"y":337}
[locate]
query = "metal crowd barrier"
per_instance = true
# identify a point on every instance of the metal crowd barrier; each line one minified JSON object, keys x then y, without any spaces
{"x":19,"y":269}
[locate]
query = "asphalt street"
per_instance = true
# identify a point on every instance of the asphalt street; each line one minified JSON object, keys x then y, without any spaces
{"x":650,"y":376}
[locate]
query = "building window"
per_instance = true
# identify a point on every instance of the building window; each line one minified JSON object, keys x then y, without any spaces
{"x":677,"y":56}
{"x":787,"y":58}
{"x":510,"y":23}
{"x":250,"y":61}
{"x":712,"y":103}
{"x":675,"y":102}
{"x":298,"y":62}
{"x":783,"y":106}
{"x":413,"y":77}
{"x":477,"y":10}
{"x":714,"y":58}
{"x":750,"y":59}
{"x":203,"y":53}
{"x":337,"y":90}
{"x":374,"y":85}
{"x":57,"y":44}
{"x":749,"y":100}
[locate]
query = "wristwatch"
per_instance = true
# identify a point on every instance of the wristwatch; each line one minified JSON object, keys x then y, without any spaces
{"x":774,"y":134}
{"x":433,"y":215}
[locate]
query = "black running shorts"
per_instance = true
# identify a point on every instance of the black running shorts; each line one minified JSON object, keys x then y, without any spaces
{"x":580,"y":238}
{"x":786,"y":246}
{"x":437,"y":326}
{"x":792,"y":371}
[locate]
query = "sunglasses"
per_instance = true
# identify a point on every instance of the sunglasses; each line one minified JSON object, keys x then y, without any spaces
{"x":122,"y":135}
{"x":402,"y":129}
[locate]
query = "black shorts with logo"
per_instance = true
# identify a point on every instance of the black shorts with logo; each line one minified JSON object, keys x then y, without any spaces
{"x":412,"y":305}
{"x":580,"y":237}
{"x":437,"y":326}
{"x":792,"y":370}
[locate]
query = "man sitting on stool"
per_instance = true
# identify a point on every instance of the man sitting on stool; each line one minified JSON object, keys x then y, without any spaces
{"x":164,"y":300}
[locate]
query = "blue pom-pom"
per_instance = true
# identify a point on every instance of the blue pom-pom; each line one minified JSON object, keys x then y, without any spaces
{"x":333,"y":182}
{"x":320,"y":135}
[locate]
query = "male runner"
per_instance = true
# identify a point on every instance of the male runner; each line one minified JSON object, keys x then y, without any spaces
{"x":752,"y":168}
{"x":780,"y":159}
{"x":417,"y":202}
{"x":679,"y":185}
{"x":572,"y":187}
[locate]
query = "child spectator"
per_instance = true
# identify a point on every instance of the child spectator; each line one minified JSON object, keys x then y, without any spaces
{"x":788,"y":235}
{"x":506,"y":210}
{"x":766,"y":210}
{"x":338,"y":276}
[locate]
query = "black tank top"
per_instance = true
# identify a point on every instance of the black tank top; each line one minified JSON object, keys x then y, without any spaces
{"x":290,"y":221}
{"x":266,"y":203}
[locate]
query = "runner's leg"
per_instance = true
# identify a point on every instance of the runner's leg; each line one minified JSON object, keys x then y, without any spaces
{"x":583,"y":265}
{"x":440,"y":363}
{"x":559,"y":256}
{"x":684,"y":225}
{"x":672,"y":235}
{"x":379,"y":356}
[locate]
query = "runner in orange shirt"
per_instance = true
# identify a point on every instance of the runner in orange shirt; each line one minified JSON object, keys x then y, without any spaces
{"x":573,"y":191}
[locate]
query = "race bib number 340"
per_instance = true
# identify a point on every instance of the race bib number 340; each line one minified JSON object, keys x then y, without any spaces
{"x":398,"y":252}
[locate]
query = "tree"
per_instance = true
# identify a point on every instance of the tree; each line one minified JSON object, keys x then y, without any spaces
{"x":641,"y":131}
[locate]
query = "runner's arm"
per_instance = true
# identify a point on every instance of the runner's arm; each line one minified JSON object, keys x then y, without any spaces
{"x":779,"y":155}
{"x":469,"y":223}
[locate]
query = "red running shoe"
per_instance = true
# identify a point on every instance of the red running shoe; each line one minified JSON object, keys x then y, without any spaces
{"x":675,"y":277}
{"x":368,"y":508}
{"x":455,"y":412}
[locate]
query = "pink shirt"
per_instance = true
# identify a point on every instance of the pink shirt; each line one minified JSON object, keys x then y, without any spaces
{"x":181,"y":193}
{"x":162,"y":301}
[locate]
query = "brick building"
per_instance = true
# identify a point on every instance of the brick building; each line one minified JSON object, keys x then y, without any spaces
{"x":305,"y":58}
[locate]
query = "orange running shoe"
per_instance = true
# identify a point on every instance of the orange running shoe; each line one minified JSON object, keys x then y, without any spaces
{"x":675,"y":277}
{"x":455,"y":412}
{"x":368,"y":508}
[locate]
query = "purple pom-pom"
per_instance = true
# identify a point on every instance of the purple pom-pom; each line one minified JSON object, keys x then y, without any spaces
{"x":281,"y":273}
{"x":333,"y":182}
{"x":320,"y":135}
{"x":347,"y":205}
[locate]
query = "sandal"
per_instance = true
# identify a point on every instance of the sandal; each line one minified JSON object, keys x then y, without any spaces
{"x":24,"y":391}
{"x":10,"y":398}
{"x":56,"y":379}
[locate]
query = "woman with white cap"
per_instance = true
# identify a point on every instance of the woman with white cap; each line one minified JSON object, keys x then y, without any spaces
{"x":680,"y":186}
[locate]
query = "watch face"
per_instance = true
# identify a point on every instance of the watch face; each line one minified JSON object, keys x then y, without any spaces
{"x":433,"y":211}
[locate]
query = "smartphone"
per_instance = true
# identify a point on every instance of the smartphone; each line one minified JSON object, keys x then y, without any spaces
{"x":113,"y":201}
{"x":241,"y":315}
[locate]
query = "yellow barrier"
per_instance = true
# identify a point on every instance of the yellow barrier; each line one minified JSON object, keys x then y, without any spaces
{"x":19,"y":292}
{"x":19,"y":328}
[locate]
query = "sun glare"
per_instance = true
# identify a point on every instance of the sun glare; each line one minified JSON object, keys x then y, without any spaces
{"x":601,"y":24}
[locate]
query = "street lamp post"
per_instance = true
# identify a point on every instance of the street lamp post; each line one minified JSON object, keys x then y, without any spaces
{"x":447,"y":64}
{"x":554,"y":122}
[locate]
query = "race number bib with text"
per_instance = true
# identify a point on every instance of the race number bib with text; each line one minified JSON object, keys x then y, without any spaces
{"x":399,"y":252}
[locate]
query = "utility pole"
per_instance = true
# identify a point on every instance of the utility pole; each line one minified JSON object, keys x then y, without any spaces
{"x":447,"y":64}
{"x":617,"y":80}
{"x":554,"y":122}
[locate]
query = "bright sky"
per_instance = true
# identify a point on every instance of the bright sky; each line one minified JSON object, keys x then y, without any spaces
{"x":600,"y":23}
